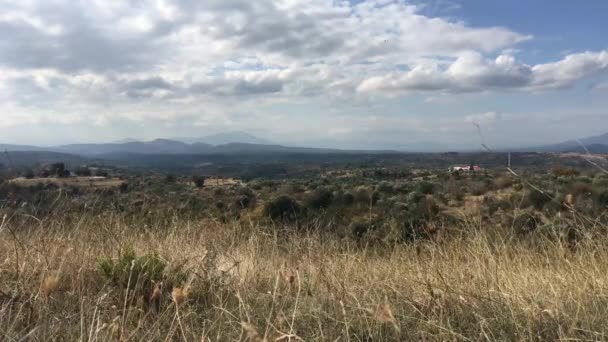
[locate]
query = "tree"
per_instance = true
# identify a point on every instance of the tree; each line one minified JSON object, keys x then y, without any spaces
{"x":319,"y":199}
{"x":44,"y":173}
{"x":58,"y":170}
{"x":101,"y":173}
{"x":199,"y":181}
{"x":538,"y":199}
{"x":83,"y":172}
{"x":29,"y":174}
{"x":282,"y":208}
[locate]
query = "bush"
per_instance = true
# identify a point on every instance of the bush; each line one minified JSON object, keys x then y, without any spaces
{"x":58,"y":170}
{"x":170,"y":179}
{"x":319,"y":199}
{"x":503,"y":182}
{"x":385,"y":187}
{"x":366,"y":196}
{"x":131,"y":271}
{"x":245,"y":198}
{"x":29,"y":174}
{"x":602,"y":199}
{"x":348,"y":198}
{"x":426,"y":188}
{"x":45,"y":173}
{"x":359,"y":229}
{"x":455,"y":190}
{"x":581,"y":188}
{"x":282,"y":208}
{"x":101,"y":173}
{"x":526,"y":223}
{"x":83,"y":172}
{"x":199,"y":181}
{"x":478,"y":188}
{"x":563,"y":171}
{"x":538,"y":199}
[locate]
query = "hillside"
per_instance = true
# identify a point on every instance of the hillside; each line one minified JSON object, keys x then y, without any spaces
{"x":594,"y":144}
{"x":226,"y":138}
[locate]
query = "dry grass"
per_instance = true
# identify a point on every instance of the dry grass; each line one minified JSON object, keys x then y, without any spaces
{"x":82,"y":182}
{"x":212,"y":182}
{"x":247,"y":283}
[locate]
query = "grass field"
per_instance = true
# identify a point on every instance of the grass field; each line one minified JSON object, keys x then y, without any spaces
{"x":81,"y":182}
{"x":234,"y":281}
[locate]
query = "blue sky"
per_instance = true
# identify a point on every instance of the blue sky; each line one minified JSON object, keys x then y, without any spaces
{"x":413,"y":75}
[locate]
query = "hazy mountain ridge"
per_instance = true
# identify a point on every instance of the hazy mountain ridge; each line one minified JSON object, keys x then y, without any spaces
{"x":594,"y":144}
{"x":226,"y":138}
{"x":165,"y":146}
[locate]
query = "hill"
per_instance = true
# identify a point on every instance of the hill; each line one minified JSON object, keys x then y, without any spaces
{"x":594,"y":144}
{"x":226,"y":138}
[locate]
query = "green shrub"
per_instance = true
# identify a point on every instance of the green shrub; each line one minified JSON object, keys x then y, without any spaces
{"x":133,"y":271}
{"x":426,"y":188}
{"x":29,"y":174}
{"x":348,"y":198}
{"x":526,"y":222}
{"x":170,"y":179}
{"x":359,"y":229}
{"x":199,"y":181}
{"x":245,"y":198}
{"x":319,"y":199}
{"x":366,"y":196}
{"x":83,"y":171}
{"x":581,"y":187}
{"x":503,"y":182}
{"x":282,"y":208}
{"x":563,"y":171}
{"x":538,"y":199}
{"x":385,"y":187}
{"x":602,"y":199}
{"x":479,"y":188}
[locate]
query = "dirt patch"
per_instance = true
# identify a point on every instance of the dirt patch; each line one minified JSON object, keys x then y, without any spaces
{"x":81,"y":182}
{"x":211,"y":182}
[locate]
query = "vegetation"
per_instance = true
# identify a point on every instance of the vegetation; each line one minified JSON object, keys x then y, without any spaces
{"x":355,"y":253}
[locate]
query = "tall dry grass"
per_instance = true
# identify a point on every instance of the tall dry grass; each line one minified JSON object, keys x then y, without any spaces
{"x":251,"y":283}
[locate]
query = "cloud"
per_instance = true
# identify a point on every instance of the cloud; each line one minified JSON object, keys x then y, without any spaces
{"x":486,"y":117}
{"x":240,"y":62}
{"x":134,"y":35}
{"x":471,"y":72}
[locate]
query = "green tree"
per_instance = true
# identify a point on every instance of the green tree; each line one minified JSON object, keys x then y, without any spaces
{"x":199,"y":181}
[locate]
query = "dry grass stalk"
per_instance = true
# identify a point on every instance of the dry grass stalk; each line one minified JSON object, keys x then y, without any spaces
{"x":50,"y":284}
{"x":180,"y":295}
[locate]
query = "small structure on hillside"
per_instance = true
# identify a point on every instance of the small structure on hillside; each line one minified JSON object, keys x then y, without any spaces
{"x":464,"y":168}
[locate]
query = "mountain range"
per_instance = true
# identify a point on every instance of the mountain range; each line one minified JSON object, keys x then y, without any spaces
{"x":594,"y":144}
{"x":244,"y":143}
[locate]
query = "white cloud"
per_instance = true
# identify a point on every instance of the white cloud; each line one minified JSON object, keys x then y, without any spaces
{"x":226,"y":62}
{"x":471,"y":72}
{"x":486,"y":117}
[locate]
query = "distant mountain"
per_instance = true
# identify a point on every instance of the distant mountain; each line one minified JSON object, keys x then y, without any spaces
{"x":266,"y":148}
{"x":226,"y":138}
{"x":158,"y":146}
{"x":22,"y":158}
{"x":7,"y":147}
{"x":124,"y":141}
{"x":168,"y":147}
{"x":595,"y":144}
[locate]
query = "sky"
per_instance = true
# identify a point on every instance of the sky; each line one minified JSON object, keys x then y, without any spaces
{"x":370,"y":74}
